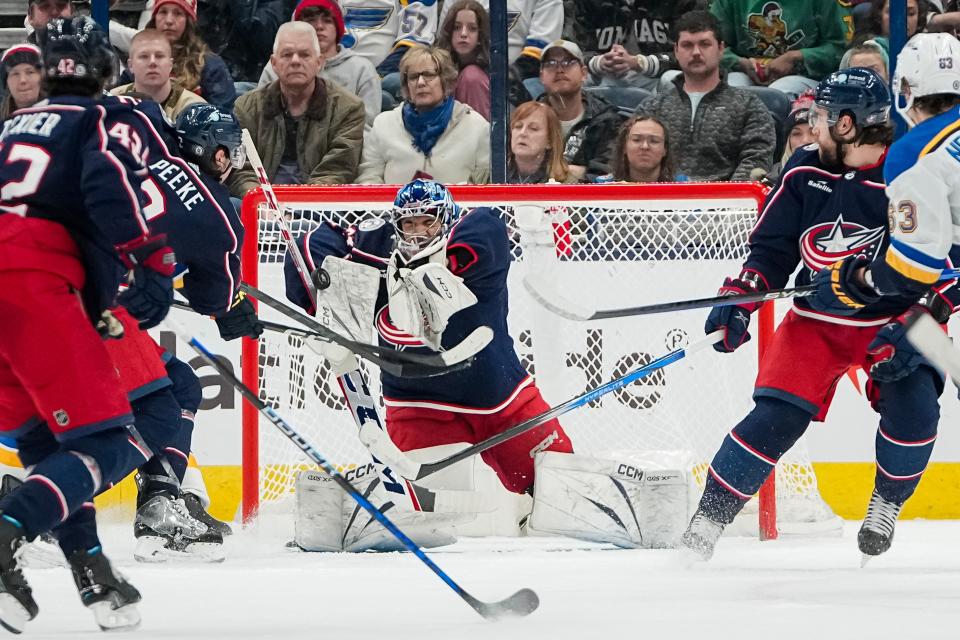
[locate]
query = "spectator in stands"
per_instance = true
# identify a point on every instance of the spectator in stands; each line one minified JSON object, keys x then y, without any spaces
{"x":430,"y":134}
{"x":589,"y":123}
{"x":790,"y":45}
{"x":344,"y":66}
{"x":943,"y":15}
{"x":242,"y":33}
{"x":150,"y":62}
{"x":307,"y":130}
{"x":642,"y":152}
{"x":195,"y":67}
{"x":20,"y":77}
{"x":627,"y":46}
{"x":720,"y":132}
{"x":871,"y":55}
{"x":531,"y":25}
{"x":798,"y":132}
{"x":877,"y":23}
{"x":465,"y":35}
{"x":40,"y":12}
{"x":536,"y":146}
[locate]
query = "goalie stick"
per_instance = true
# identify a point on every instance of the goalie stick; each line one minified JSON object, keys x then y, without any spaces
{"x":430,"y":468}
{"x":406,"y":364}
{"x":549,"y":298}
{"x":521,"y":603}
{"x":396,"y":363}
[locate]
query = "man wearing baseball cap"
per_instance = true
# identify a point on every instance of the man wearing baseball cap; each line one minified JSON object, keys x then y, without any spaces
{"x":588,"y":121}
{"x":40,"y":12}
{"x":344,"y":66}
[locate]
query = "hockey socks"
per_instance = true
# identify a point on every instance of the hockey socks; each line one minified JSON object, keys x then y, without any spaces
{"x":907,"y":432}
{"x":748,"y":455}
{"x":79,"y":531}
{"x":61,"y":482}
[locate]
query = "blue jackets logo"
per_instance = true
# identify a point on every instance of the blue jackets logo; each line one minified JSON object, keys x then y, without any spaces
{"x":823,"y":244}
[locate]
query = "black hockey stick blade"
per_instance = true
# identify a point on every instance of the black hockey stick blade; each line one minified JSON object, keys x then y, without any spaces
{"x":522,"y":603}
{"x":397,"y":363}
{"x":549,"y":298}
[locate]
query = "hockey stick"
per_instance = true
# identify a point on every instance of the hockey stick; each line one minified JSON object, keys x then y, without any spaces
{"x":410,"y":365}
{"x":521,"y":603}
{"x":396,"y":363}
{"x":429,"y":468}
{"x":932,"y":341}
{"x":549,"y":298}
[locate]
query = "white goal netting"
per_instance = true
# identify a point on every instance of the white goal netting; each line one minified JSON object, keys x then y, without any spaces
{"x":642,"y":247}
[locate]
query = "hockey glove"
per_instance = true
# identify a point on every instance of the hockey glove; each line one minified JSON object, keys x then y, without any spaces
{"x":149,"y":292}
{"x":733,"y":319}
{"x":240,"y":321}
{"x":838,"y":291}
{"x":891,"y":356}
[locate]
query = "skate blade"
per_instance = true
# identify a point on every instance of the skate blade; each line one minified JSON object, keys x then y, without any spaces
{"x":13,"y":615}
{"x":864,"y":559}
{"x":153,"y":549}
{"x":125,"y":618}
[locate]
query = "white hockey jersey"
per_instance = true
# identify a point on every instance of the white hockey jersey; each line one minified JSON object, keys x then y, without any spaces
{"x":375,"y":27}
{"x":531,"y":24}
{"x":922,"y":173}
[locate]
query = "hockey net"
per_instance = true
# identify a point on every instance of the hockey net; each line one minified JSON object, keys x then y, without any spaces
{"x":605,"y":245}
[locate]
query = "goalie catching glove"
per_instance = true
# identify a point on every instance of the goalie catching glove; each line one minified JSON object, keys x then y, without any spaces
{"x":735,"y":319}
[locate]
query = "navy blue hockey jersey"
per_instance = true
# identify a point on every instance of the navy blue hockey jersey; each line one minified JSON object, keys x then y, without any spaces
{"x":818,"y":215}
{"x":194,"y":211}
{"x":478,"y":251}
{"x":79,"y":163}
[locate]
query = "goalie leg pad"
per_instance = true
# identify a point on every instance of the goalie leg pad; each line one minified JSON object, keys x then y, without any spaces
{"x":608,"y":501}
{"x":327,"y":519}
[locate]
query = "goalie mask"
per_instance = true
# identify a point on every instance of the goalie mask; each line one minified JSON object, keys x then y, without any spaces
{"x":422,"y":214}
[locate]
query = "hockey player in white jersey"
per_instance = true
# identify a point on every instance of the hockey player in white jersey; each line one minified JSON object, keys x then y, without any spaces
{"x":922,"y":174}
{"x":531,"y":25}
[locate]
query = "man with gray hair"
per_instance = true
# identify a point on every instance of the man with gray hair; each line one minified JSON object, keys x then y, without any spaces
{"x":307,"y":130}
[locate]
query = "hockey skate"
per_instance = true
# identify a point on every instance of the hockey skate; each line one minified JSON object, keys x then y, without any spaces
{"x":43,"y":552}
{"x":876,"y":532}
{"x":17,"y":606}
{"x":105,"y":592}
{"x":195,"y":507}
{"x":165,"y":530}
{"x":701,"y":535}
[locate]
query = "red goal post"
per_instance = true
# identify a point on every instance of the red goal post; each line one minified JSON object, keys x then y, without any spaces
{"x":587,"y":203}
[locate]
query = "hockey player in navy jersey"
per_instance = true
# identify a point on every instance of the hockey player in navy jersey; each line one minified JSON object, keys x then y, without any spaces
{"x":828,"y":204}
{"x":70,"y":222}
{"x":922,"y":173}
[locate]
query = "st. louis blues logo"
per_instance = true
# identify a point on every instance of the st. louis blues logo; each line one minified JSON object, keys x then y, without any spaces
{"x":823,"y":244}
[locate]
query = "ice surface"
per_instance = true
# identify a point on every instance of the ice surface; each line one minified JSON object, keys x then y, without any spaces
{"x":791,"y":588}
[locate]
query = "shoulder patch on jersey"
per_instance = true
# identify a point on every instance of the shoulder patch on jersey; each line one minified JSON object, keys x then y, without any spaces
{"x":371,"y":223}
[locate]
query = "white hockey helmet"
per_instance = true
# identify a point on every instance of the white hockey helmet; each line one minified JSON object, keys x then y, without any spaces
{"x":928,"y":64}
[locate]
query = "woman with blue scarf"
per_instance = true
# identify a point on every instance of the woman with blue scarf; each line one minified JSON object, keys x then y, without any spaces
{"x":430,"y":134}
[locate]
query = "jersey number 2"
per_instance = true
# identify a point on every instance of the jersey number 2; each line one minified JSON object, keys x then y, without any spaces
{"x":37,"y":160}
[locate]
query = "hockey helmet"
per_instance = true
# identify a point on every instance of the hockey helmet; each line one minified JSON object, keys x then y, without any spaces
{"x":858,"y":92}
{"x":77,"y":55}
{"x":202,"y":129}
{"x":422,"y":198}
{"x":928,"y":64}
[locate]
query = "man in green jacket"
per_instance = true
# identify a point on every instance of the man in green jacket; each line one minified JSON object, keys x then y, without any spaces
{"x":307,"y":130}
{"x":789,"y":45}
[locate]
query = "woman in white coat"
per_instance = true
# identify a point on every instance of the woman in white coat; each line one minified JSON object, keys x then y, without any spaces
{"x":430,"y":134}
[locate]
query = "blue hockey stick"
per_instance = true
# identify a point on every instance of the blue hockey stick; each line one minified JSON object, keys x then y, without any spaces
{"x":521,"y":603}
{"x":574,"y":403}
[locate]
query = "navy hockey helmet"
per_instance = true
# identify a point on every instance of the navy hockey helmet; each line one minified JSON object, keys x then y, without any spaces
{"x":858,"y":92}
{"x":423,"y":198}
{"x":202,"y":129}
{"x":77,"y":56}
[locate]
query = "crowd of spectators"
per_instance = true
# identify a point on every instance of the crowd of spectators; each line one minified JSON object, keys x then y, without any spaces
{"x":382,"y":91}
